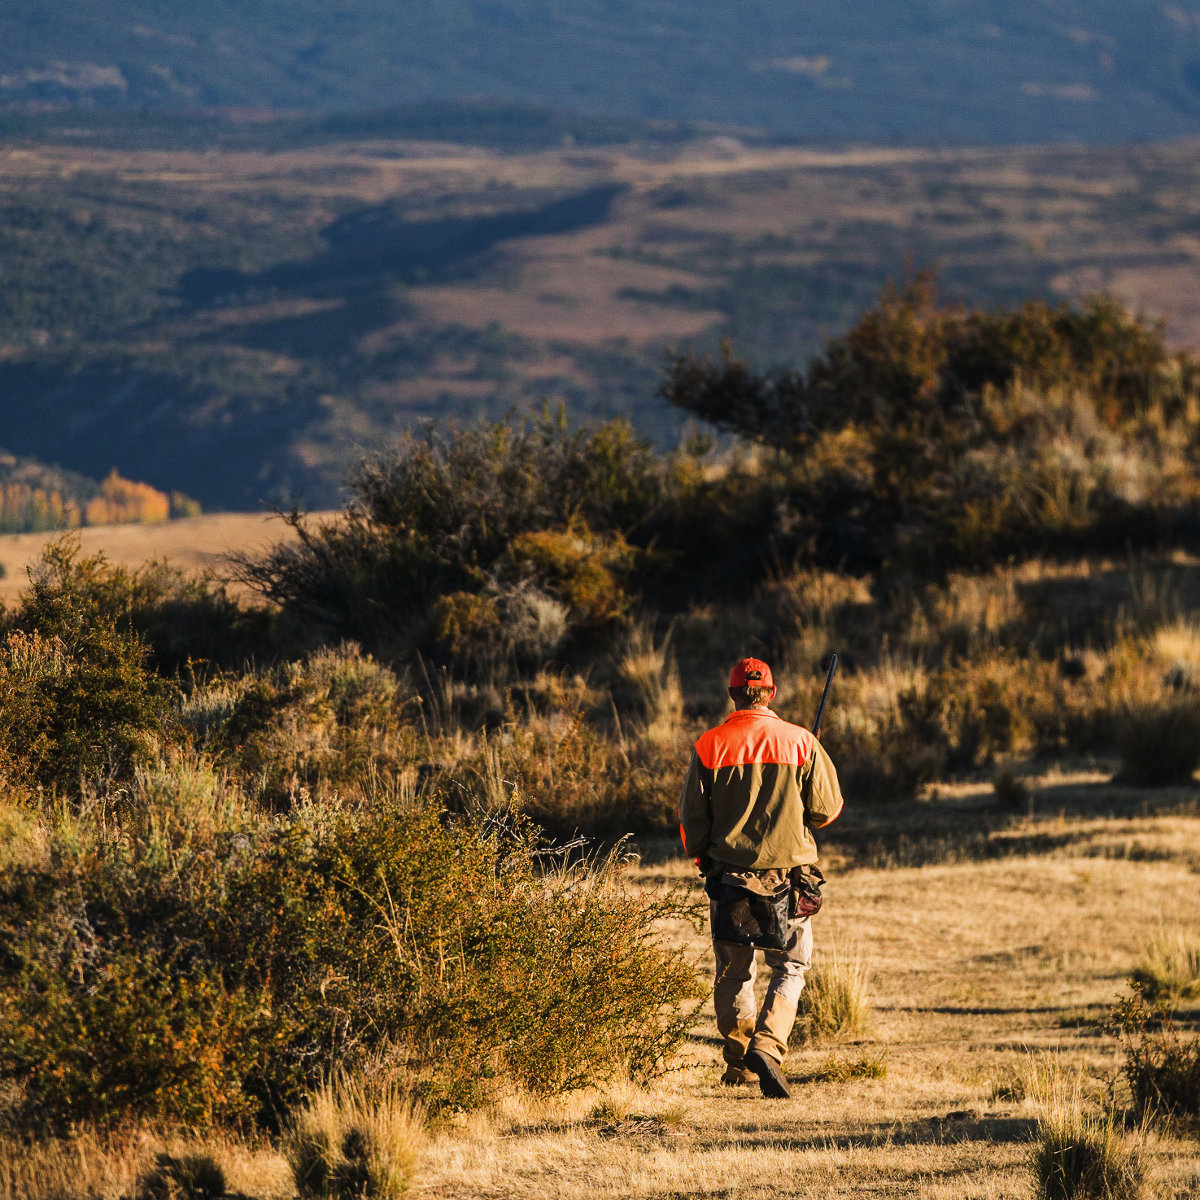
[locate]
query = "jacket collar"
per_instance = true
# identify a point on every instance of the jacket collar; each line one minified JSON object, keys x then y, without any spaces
{"x":759,"y":710}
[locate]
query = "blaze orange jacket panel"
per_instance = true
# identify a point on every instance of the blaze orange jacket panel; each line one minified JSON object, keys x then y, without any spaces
{"x":756,"y":787}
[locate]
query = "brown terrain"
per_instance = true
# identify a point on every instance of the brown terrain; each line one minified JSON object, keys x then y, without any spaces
{"x":194,"y":544}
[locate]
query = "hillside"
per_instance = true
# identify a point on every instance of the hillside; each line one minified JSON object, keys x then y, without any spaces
{"x":928,"y":72}
{"x":297,"y":887}
{"x":239,"y":324}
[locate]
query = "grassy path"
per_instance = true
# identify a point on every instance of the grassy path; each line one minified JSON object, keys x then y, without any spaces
{"x":974,"y":965}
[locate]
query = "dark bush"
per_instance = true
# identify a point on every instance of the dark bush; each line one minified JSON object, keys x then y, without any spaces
{"x":911,"y":362}
{"x":185,"y":621}
{"x":182,"y":1177}
{"x":1160,"y":744}
{"x":463,"y":510}
{"x":930,"y":436}
{"x":1011,"y":791}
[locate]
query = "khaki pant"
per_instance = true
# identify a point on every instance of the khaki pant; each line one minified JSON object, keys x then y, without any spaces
{"x":739,"y":1022}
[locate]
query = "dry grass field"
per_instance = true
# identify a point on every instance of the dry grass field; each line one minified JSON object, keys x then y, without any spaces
{"x":975,"y":967}
{"x":981,"y":971}
{"x":193,"y":544}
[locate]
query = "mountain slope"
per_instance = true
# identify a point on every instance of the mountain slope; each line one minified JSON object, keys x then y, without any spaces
{"x":972,"y":70}
{"x":241,"y":326}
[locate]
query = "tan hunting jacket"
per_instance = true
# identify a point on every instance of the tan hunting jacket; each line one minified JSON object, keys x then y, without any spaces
{"x":756,"y":787}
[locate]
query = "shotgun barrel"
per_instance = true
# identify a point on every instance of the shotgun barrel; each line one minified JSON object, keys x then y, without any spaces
{"x":816,"y":725}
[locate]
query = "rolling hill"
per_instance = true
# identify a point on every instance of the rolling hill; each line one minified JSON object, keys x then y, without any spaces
{"x":241,"y":324}
{"x":928,"y":72}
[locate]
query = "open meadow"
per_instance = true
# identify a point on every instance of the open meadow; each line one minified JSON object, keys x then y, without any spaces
{"x":196,"y":545}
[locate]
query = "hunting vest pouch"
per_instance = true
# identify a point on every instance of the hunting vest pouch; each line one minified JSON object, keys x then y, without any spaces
{"x":806,"y":891}
{"x":751,"y":916}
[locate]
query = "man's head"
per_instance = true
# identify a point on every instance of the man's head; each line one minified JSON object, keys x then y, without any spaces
{"x":750,"y":683}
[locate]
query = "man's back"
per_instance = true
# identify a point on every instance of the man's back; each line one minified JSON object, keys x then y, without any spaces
{"x":755,"y":786}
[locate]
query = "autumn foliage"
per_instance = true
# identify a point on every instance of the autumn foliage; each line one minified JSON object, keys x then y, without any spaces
{"x":33,"y":500}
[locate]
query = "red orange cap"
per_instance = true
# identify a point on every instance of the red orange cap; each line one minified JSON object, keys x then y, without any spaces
{"x":751,"y":671}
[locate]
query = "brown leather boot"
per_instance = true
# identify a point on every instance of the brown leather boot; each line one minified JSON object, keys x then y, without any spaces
{"x":737,"y":1075}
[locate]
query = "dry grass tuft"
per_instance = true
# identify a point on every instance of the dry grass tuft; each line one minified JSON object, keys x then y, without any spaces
{"x":1077,"y":1155}
{"x":835,"y":1001}
{"x":139,"y":1164}
{"x":843,"y":1068}
{"x":353,"y":1141}
{"x":1169,"y":971}
{"x":1160,"y":743}
{"x":620,"y":1099}
{"x":85,"y":1165}
{"x":648,"y":683}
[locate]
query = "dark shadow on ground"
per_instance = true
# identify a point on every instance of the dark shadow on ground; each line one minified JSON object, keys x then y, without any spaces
{"x":375,"y":246}
{"x":980,"y":827}
{"x":143,"y":421}
{"x":969,"y":1010}
{"x":331,"y":333}
{"x":968,"y":1126}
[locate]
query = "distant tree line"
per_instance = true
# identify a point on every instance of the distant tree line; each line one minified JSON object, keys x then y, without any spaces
{"x":35,"y":499}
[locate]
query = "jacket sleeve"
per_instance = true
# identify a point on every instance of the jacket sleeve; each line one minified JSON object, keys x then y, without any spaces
{"x":695,"y":809}
{"x":820,"y":789}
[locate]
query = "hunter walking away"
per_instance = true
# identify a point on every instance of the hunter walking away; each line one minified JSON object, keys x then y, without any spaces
{"x":756,"y":787}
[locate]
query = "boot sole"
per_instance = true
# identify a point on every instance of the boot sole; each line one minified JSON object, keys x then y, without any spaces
{"x":770,"y":1079}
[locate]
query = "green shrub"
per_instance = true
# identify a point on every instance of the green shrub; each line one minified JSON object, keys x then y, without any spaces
{"x":459,"y":508}
{"x":471,"y":628}
{"x":1160,"y":744}
{"x":1161,"y":1067}
{"x":135,"y":1032}
{"x":977,"y":711}
{"x":929,"y":436}
{"x":585,"y":571}
{"x":910,"y":361}
{"x":569,"y":777}
{"x":514,"y":623}
{"x":186,"y":622}
{"x":202,"y":977}
{"x":325,"y":721}
{"x":78,"y":709}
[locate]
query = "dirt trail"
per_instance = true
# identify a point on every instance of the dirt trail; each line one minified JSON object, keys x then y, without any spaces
{"x":975,"y":966}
